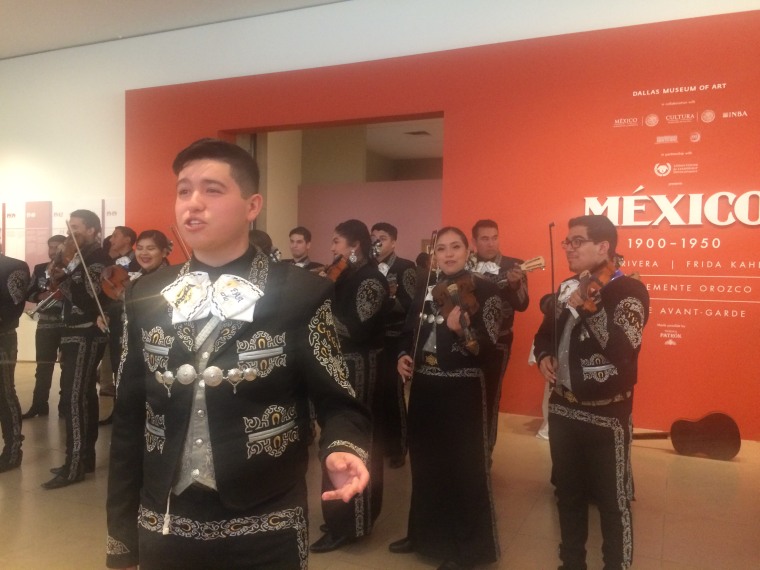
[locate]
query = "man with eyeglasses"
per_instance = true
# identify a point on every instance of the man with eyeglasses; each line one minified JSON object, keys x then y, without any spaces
{"x":587,"y":347}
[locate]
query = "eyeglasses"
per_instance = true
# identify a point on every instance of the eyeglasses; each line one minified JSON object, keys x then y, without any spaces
{"x":576,"y":242}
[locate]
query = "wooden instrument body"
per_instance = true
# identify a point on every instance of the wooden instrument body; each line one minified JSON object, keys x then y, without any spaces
{"x":716,"y":435}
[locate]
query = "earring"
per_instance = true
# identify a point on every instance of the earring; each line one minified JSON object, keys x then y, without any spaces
{"x":352,"y":258}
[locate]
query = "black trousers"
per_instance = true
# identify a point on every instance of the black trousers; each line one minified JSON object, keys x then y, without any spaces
{"x":10,"y":410}
{"x":590,"y":450}
{"x":203,"y":534}
{"x":82,"y":349}
{"x":357,"y":517}
{"x":394,"y":421}
{"x":497,"y":368}
{"x":47,"y":341}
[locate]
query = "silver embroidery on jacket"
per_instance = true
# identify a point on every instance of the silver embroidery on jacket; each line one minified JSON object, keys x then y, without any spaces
{"x":361,"y":454}
{"x":18,"y":281}
{"x":115,"y":547}
{"x":409,"y":281}
{"x":598,"y":325}
{"x":598,"y":368}
{"x":272,"y":432}
{"x":263,"y":353}
{"x":629,"y":315}
{"x":240,"y":526}
{"x":156,"y":346}
{"x":369,"y":298}
{"x":492,"y":317}
{"x":326,"y":346}
{"x":155,"y":430}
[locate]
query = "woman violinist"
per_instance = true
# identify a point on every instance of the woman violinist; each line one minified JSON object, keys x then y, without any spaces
{"x":151,"y":251}
{"x":452,"y":514}
{"x":361,"y":301}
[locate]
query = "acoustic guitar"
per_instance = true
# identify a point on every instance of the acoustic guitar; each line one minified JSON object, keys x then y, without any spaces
{"x":716,"y":435}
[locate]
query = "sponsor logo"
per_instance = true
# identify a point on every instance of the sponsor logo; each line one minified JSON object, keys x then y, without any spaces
{"x":696,"y":136}
{"x":651,"y":120}
{"x":667,"y":139}
{"x":720,"y":209}
{"x":662,"y":168}
{"x":626,"y":122}
{"x":707,"y":116}
{"x":734,"y":114}
{"x":680,"y":118}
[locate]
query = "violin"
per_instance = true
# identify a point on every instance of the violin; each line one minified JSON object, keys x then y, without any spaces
{"x":64,"y":262}
{"x":459,"y":292}
{"x":113,"y":281}
{"x":591,"y":285}
{"x":334,"y":270}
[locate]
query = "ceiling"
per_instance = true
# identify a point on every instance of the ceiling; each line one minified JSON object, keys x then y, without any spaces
{"x":406,"y":139}
{"x":34,"y":26}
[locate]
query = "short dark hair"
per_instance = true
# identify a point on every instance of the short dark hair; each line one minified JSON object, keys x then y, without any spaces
{"x":58,"y":238}
{"x":422,"y":260}
{"x":301,"y":231}
{"x":387,"y":228}
{"x":243,"y":167}
{"x":453,"y":230}
{"x":127,"y":232}
{"x":355,"y":231}
{"x":158,"y":237}
{"x":482,"y":224}
{"x":261,"y":240}
{"x":599,"y":228}
{"x":90,"y":219}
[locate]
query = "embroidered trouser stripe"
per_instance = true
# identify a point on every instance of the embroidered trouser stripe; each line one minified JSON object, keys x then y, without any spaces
{"x":10,"y":411}
{"x":81,"y":352}
{"x":203,"y":534}
{"x":591,"y":459}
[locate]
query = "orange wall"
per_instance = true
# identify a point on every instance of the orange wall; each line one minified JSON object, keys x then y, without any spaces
{"x":527,"y":135}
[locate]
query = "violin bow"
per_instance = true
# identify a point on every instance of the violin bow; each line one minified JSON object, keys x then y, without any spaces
{"x":89,"y":279}
{"x":433,"y":241}
{"x":554,"y":292}
{"x":181,"y":242}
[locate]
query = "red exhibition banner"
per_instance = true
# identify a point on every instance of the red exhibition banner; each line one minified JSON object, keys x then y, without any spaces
{"x":683,"y":190}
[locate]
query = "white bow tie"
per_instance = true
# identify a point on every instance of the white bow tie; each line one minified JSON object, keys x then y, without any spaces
{"x":487,"y":267}
{"x":383,"y":268}
{"x":193,"y":296}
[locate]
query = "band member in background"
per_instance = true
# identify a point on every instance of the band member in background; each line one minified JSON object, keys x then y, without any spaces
{"x":361,"y":302}
{"x":300,"y":244}
{"x":47,"y":337}
{"x":600,"y":317}
{"x":208,"y":452}
{"x":513,"y":289}
{"x":151,"y":252}
{"x":452,"y":512}
{"x":82,"y":346}
{"x":120,"y":247}
{"x":401,"y":276}
{"x":14,"y":282}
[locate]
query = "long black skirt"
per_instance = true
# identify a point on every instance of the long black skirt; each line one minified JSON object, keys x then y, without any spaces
{"x":452,"y":512}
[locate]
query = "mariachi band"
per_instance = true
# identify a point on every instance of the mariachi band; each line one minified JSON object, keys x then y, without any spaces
{"x":444,"y":322}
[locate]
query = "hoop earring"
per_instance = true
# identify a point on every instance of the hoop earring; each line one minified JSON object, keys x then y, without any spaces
{"x":352,"y":258}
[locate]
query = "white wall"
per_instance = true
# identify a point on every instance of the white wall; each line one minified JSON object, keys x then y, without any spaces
{"x":62,"y":113}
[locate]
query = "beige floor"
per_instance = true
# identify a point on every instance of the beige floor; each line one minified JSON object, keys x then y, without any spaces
{"x":690,"y":513}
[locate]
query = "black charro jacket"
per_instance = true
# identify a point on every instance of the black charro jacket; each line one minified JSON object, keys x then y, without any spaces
{"x":604,"y":345}
{"x":259,"y":429}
